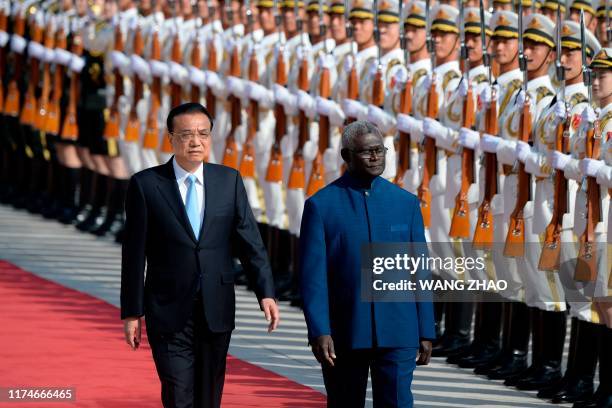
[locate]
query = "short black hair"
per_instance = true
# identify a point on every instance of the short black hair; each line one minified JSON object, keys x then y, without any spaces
{"x":184,"y":109}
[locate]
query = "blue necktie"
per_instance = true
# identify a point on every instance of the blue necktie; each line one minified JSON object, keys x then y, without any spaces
{"x":191,"y":205}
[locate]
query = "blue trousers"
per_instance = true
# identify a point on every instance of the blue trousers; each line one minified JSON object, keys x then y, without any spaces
{"x":392,"y":368}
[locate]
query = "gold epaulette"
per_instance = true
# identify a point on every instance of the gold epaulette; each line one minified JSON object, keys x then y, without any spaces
{"x":480,"y":78}
{"x":513,"y":86}
{"x":449,"y":76}
{"x":418,"y":75}
{"x":542,"y":92}
{"x":391,"y":64}
{"x":576,"y":99}
{"x":603,"y":121}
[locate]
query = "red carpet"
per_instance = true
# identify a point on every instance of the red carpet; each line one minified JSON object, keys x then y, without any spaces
{"x":55,"y":337}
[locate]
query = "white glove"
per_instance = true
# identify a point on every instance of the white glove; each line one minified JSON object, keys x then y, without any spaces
{"x":486,"y":95}
{"x":401,"y":75}
{"x":469,"y":138}
{"x":261,"y":94}
{"x":354,"y":109}
{"x":506,"y":151}
{"x":331,"y":109}
{"x":303,"y":51}
{"x":522,"y":150}
{"x":118,"y":59}
{"x":604,"y":176}
{"x":62,"y":57}
{"x":77,"y":63}
{"x":287,"y":99}
{"x":178,"y":73}
{"x":348,"y":63}
{"x":588,"y":116}
{"x":488,"y":143}
{"x":385,"y":122}
{"x":559,"y":160}
{"x":434,"y":129}
{"x":18,"y":43}
{"x":409,"y":124}
{"x":48,"y":56}
{"x":140,"y":67}
{"x":560,"y":110}
{"x":307,"y":104}
{"x":158,"y":69}
{"x":236,"y":87}
{"x":36,"y":50}
{"x":327,"y":61}
{"x":4,"y":38}
{"x":197,"y":77}
{"x":463,"y":87}
{"x":590,"y":167}
{"x":214,"y":82}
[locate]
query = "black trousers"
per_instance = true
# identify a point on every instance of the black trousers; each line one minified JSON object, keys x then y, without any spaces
{"x":190,"y":363}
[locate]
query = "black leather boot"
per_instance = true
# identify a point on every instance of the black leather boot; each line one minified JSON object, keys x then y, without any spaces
{"x":115,"y":213}
{"x":580,"y":384}
{"x":519,"y":342}
{"x":499,"y":358}
{"x":553,"y":339}
{"x":603,"y":396}
{"x":537,"y":336}
{"x":488,"y":332}
{"x":69,"y":199}
{"x":458,"y":323}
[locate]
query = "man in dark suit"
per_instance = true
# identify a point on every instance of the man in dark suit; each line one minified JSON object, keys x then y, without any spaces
{"x":351,"y":335}
{"x":186,"y":219}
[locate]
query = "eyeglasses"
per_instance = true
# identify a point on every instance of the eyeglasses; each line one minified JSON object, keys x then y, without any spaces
{"x":367,"y":153}
{"x":187,"y":135}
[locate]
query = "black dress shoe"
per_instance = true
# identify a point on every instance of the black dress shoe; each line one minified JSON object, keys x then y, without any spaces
{"x":516,"y":364}
{"x":67,"y":215}
{"x":497,"y":361}
{"x":456,"y":356}
{"x":477,"y":359}
{"x":578,"y":390}
{"x":451,"y":345}
{"x":93,"y":221}
{"x":541,"y":378}
{"x":525,"y":374}
{"x":552,"y":390}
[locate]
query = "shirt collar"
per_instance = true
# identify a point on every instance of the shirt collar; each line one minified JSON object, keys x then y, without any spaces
{"x":353,"y":182}
{"x":181,"y":174}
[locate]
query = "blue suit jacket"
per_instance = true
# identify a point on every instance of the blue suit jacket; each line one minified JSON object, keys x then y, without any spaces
{"x":337,"y":220}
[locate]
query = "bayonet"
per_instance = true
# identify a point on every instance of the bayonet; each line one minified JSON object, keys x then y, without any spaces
{"x":586,"y":71}
{"x":403,"y":42}
{"x":463,"y":55}
{"x":322,"y":26}
{"x":428,"y":37}
{"x":486,"y":58}
{"x":377,"y":32}
{"x":521,"y":49}
{"x":608,"y":25}
{"x":560,"y":71}
{"x":298,"y":22}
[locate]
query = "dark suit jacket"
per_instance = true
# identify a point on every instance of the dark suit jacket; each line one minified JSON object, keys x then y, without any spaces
{"x":158,"y":235}
{"x":337,"y":221}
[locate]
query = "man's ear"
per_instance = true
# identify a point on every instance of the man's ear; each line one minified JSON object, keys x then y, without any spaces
{"x":346,"y":156}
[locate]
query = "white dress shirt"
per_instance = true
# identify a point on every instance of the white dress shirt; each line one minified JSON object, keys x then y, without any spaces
{"x":183,"y":185}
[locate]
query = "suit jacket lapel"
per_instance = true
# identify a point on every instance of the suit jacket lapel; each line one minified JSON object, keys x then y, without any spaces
{"x":208,"y":201}
{"x":170,"y":191}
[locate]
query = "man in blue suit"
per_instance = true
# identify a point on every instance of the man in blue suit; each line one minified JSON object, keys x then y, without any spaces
{"x":350,"y":335}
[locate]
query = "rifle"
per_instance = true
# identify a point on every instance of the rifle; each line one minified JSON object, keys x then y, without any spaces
{"x":111,"y":130}
{"x":212,"y":62}
{"x":405,"y":107}
{"x":28,"y":111}
{"x":176,"y":90}
{"x":429,"y":168}
{"x":317,"y":174}
{"x":196,"y":60}
{"x":274,"y":172}
{"x":483,"y":234}
{"x":151,"y":138}
{"x":52,"y":124}
{"x":132,"y":128}
{"x":70,"y":130}
{"x":12,"y":102}
{"x":551,"y":250}
{"x":608,"y":27}
{"x":586,"y":265}
{"x":247,"y":163}
{"x":352,"y":85}
{"x":297,"y":178}
{"x":515,"y":239}
{"x":230,"y":155}
{"x":3,"y":27}
{"x":460,"y":223}
{"x":43,"y":105}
